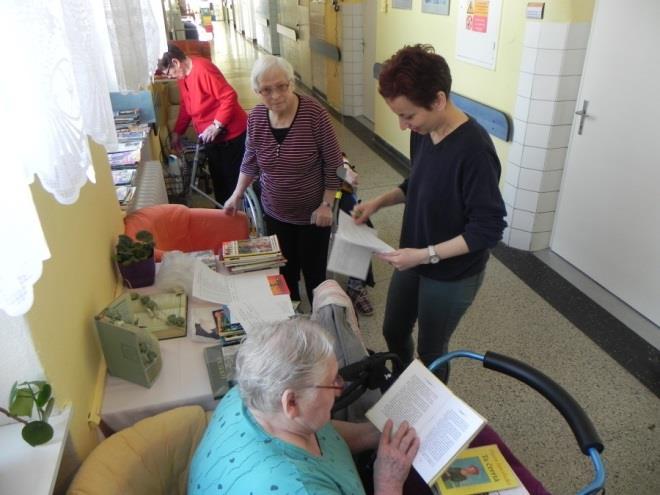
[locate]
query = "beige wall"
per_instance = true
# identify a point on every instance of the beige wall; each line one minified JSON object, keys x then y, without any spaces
{"x":496,"y":88}
{"x":77,"y":282}
{"x":333,"y":73}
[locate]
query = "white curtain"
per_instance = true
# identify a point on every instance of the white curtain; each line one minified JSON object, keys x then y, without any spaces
{"x":58,"y":62}
{"x":136,"y":31}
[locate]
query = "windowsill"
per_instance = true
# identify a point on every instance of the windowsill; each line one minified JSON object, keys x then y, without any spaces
{"x":29,"y":470}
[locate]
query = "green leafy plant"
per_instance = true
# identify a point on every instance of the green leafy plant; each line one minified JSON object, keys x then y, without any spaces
{"x":22,"y":399}
{"x":129,"y":251}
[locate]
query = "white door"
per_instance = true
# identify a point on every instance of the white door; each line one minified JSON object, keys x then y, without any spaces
{"x":369,"y":15}
{"x":608,"y":216}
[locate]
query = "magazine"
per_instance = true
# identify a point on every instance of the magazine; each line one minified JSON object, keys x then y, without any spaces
{"x":123,"y":177}
{"x":124,"y":194}
{"x":444,"y":423}
{"x":266,"y":245}
{"x":124,"y":157}
{"x":477,"y":470}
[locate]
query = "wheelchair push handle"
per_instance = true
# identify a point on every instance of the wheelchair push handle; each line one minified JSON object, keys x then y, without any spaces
{"x":584,"y":431}
{"x":577,"y":419}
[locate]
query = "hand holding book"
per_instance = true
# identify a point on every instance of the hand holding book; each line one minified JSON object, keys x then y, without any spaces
{"x":396,"y":452}
{"x":444,"y":423}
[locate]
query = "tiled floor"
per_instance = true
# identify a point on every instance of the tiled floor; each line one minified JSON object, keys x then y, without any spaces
{"x":514,"y":319}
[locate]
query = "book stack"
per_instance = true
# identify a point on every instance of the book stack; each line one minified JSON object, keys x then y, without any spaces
{"x":124,"y":194}
{"x":248,"y":255}
{"x":127,"y":153}
{"x":124,"y":119}
{"x":228,"y":333}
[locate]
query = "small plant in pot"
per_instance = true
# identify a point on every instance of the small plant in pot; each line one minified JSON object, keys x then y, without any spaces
{"x":23,"y":398}
{"x":135,"y":259}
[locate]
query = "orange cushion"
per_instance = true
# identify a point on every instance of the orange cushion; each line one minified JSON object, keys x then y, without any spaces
{"x":177,"y":227}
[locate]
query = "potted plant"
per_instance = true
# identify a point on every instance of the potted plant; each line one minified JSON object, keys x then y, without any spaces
{"x":135,"y":259}
{"x":22,"y":399}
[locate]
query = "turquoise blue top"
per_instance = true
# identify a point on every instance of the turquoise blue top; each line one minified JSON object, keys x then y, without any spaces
{"x":236,"y":456}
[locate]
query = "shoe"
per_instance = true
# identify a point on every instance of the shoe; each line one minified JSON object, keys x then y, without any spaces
{"x":361,"y":301}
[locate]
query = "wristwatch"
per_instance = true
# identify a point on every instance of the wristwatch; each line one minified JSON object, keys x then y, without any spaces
{"x":433,"y":256}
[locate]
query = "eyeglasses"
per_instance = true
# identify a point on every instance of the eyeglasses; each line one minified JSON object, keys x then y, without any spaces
{"x":338,"y":384}
{"x":278,"y":88}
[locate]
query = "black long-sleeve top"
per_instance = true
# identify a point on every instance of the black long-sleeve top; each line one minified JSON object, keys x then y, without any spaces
{"x":453,"y":190}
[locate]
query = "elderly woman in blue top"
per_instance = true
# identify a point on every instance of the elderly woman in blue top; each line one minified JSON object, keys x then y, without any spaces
{"x":453,"y":207}
{"x":272,"y":432}
{"x":292,"y":147}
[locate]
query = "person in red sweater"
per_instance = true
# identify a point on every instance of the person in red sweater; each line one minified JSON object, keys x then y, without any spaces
{"x":209,"y":101}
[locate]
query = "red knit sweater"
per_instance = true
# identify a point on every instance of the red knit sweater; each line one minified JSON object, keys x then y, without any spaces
{"x":206,"y":95}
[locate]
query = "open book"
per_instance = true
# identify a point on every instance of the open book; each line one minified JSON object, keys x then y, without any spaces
{"x":444,"y":423}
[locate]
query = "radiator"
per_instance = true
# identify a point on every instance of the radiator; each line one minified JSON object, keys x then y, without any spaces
{"x":149,"y":186}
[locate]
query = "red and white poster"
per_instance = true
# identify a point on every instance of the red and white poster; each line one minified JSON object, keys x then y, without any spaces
{"x":477,"y":31}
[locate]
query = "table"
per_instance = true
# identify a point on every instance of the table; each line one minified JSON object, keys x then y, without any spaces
{"x":183,"y":381}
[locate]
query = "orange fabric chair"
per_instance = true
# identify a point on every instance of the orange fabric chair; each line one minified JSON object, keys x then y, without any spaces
{"x":177,"y":227}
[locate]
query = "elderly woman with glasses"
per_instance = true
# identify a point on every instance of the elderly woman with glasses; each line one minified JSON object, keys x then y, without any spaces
{"x":272,"y":433}
{"x":292,"y":147}
{"x":209,"y":101}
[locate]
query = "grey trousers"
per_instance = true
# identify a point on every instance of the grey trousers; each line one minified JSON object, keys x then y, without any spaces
{"x":437,"y":307}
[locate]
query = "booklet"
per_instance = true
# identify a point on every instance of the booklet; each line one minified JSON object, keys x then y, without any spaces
{"x":476,"y":471}
{"x":444,"y":423}
{"x":352,"y":247}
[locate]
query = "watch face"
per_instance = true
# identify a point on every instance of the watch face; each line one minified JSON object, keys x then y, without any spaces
{"x":433,"y":256}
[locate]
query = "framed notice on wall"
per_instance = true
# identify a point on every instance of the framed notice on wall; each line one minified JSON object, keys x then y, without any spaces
{"x":435,"y":7}
{"x":402,"y":4}
{"x":477,"y":31}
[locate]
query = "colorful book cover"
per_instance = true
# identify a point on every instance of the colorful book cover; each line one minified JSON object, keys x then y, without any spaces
{"x":250,"y":247}
{"x":278,"y":285}
{"x":476,"y":471}
{"x":123,"y":176}
{"x":222,"y":318}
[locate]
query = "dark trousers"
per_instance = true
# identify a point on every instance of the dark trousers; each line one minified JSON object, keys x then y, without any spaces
{"x":305,"y":248}
{"x":225,"y":164}
{"x":437,"y":307}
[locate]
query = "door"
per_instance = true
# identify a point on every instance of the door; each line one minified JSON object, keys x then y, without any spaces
{"x":608,"y":215}
{"x":369,"y":57}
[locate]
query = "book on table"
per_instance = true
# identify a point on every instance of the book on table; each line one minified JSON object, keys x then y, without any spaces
{"x":444,"y":423}
{"x":124,"y":158}
{"x":124,"y":194}
{"x":251,"y":254}
{"x":123,"y":177}
{"x":479,"y":470}
{"x":258,"y":246}
{"x":252,"y":267}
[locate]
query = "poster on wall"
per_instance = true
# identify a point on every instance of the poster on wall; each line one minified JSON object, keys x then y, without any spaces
{"x":402,"y":4}
{"x":440,"y":7}
{"x":477,"y":31}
